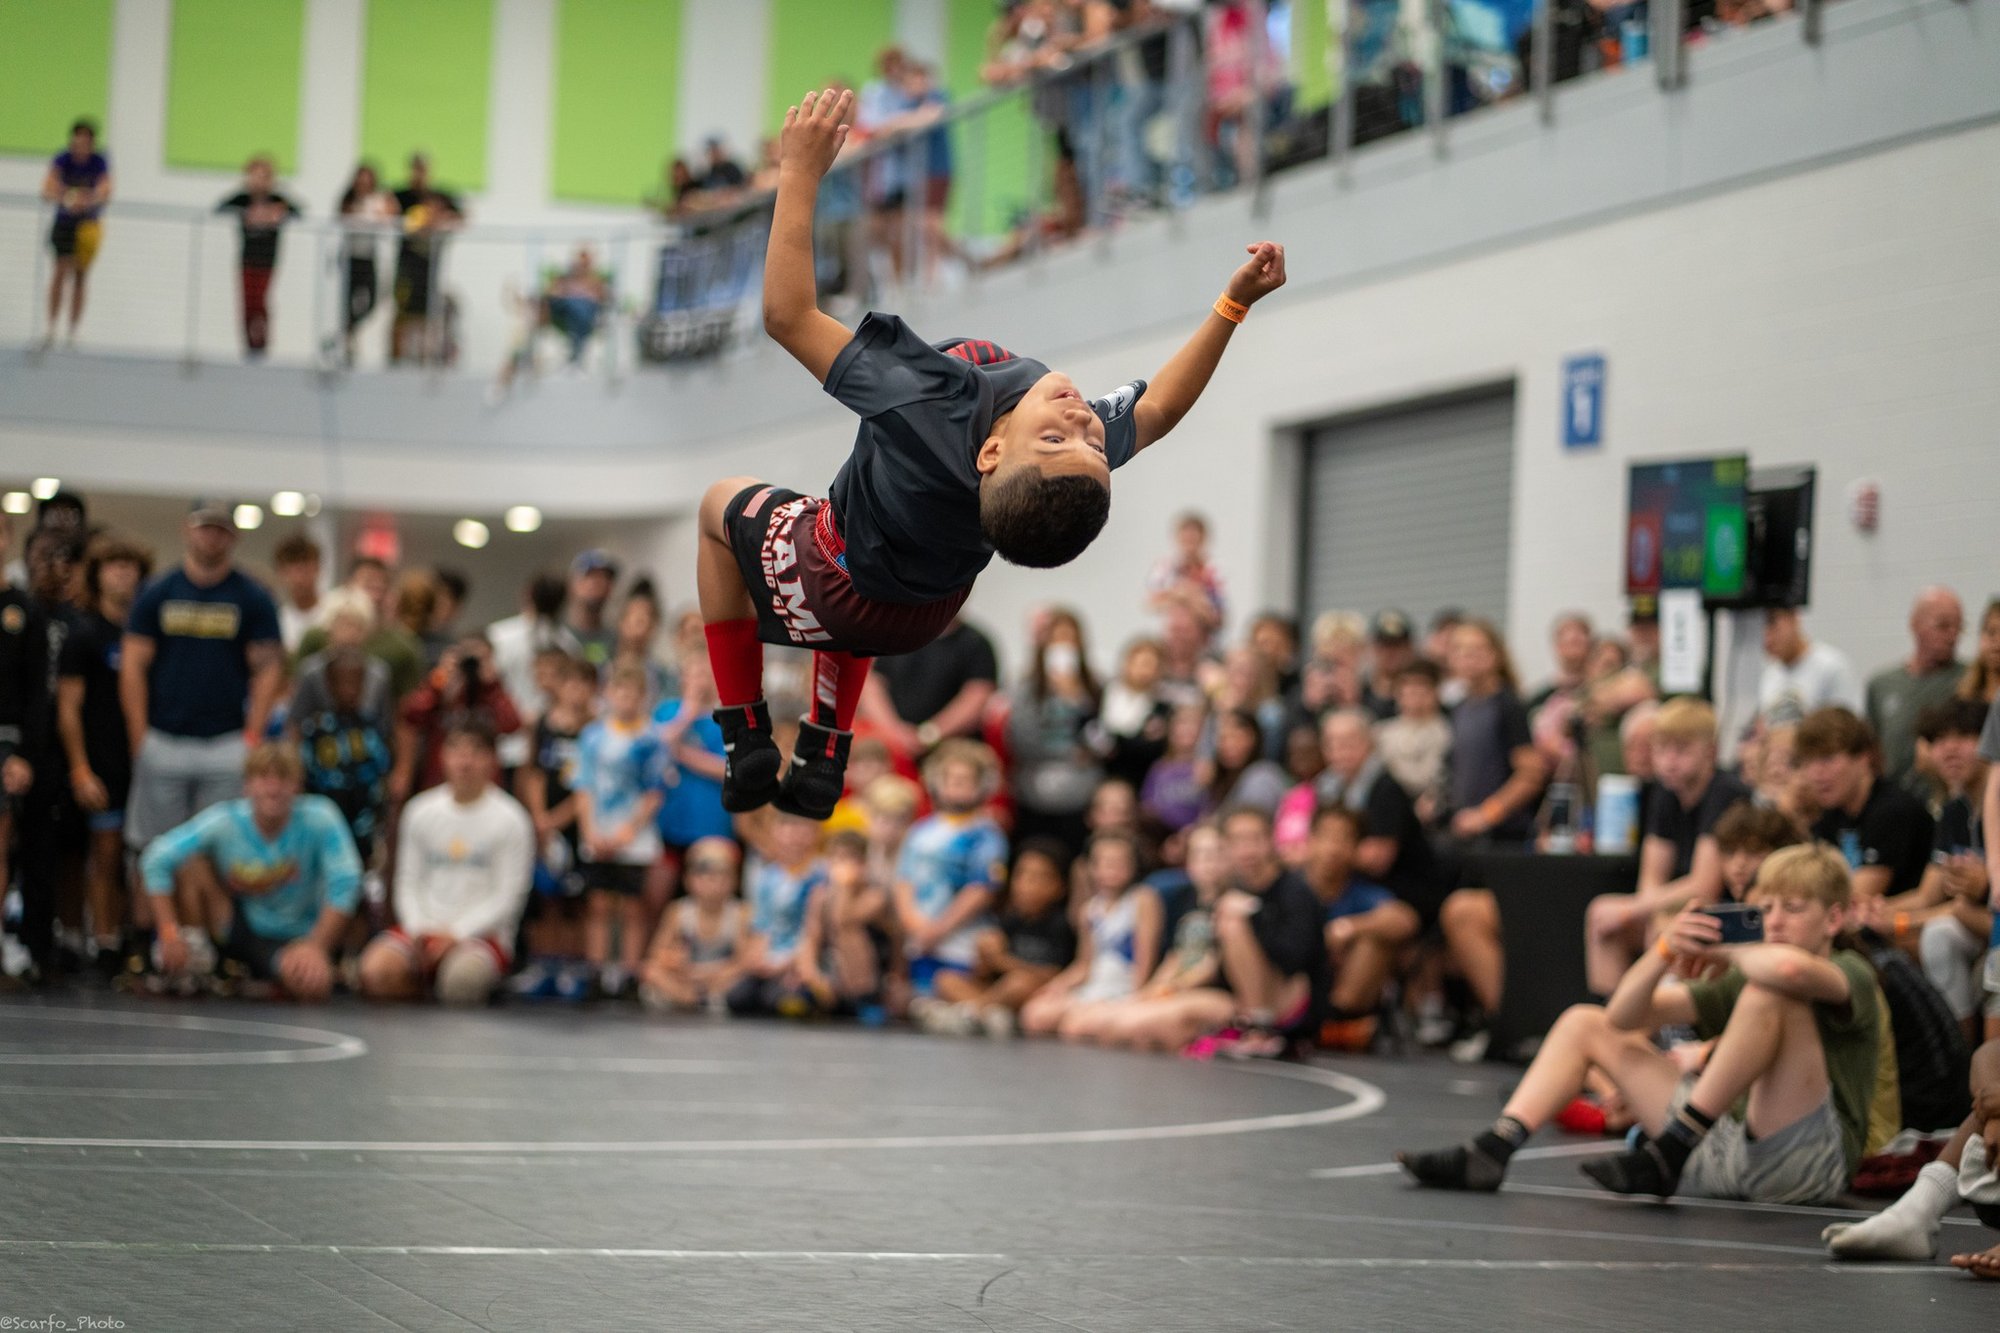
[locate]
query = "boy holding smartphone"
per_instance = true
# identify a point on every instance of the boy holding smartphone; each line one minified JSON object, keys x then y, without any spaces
{"x":1796,"y":1034}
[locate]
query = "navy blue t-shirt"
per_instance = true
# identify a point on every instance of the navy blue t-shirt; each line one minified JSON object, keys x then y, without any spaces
{"x":200,"y":681}
{"x":907,"y":499}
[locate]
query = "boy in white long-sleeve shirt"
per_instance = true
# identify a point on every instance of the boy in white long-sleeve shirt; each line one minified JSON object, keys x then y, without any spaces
{"x":463,"y":868}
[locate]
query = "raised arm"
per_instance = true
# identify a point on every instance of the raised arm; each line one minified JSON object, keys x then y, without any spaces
{"x":1173,"y":391}
{"x":814,"y":131}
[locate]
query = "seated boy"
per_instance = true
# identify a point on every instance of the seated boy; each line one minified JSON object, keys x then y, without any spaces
{"x":1367,"y":926}
{"x":779,"y":888}
{"x":1678,"y":863}
{"x":965,"y":451}
{"x":698,"y":953}
{"x":271,"y":877}
{"x":840,"y":958}
{"x":952,"y":865}
{"x":1780,"y":1112}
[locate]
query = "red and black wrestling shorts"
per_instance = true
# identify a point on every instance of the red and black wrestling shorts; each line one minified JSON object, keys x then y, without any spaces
{"x":794,"y":563}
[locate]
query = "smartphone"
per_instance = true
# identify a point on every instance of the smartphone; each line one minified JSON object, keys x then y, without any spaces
{"x":1741,"y":923}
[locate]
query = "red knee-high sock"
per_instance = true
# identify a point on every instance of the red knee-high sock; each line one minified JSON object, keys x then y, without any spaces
{"x":737,"y":657}
{"x":837,"y":682}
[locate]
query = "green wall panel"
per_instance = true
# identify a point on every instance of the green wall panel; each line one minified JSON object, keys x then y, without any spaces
{"x":995,"y":156}
{"x":813,"y":41}
{"x":1310,"y":38}
{"x":616,"y":84}
{"x":425,"y":69}
{"x":233,"y":82}
{"x":55,"y":65}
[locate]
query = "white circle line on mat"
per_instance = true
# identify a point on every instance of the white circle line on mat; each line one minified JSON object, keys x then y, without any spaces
{"x":320,"y":1044}
{"x":1364,"y":1099}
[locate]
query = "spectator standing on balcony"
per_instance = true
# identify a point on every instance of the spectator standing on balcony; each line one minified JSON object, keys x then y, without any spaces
{"x":261,"y":210}
{"x":1801,"y":675}
{"x":429,"y":215}
{"x":366,"y":210}
{"x":591,"y":577}
{"x":879,"y":107}
{"x":201,"y":665}
{"x":297,"y":564}
{"x":1899,"y":694}
{"x":928,"y":102}
{"x":78,"y":183}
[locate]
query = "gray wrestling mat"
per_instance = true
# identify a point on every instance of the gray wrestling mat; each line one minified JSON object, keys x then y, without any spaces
{"x":233,"y":1166}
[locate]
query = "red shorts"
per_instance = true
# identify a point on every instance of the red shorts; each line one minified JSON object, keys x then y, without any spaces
{"x":397,"y":937}
{"x":794,"y":565}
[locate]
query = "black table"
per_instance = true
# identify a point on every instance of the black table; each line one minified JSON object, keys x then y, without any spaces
{"x":1542,"y":901}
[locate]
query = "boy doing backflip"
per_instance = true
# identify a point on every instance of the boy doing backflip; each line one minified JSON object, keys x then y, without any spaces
{"x":965,"y":451}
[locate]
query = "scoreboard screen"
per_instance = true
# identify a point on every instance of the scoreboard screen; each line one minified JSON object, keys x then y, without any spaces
{"x":1685,"y":526}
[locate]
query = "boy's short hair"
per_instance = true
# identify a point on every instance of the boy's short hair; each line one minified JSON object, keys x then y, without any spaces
{"x":1357,"y":823}
{"x":627,"y":673}
{"x":1115,"y":838}
{"x":1746,"y":826}
{"x":1810,"y":870}
{"x":275,"y":759}
{"x":575,"y":668}
{"x":84,"y":125}
{"x":894,"y":795}
{"x":296,"y":549}
{"x":1830,"y":731}
{"x":959,"y":750}
{"x":1684,"y":721}
{"x":1230,"y":814}
{"x":847,"y":842}
{"x":109,"y":548}
{"x":469,"y":727}
{"x":1038,"y":521}
{"x":1192,"y":519}
{"x":1953,"y":717}
{"x":1049,"y":849}
{"x":347,"y":604}
{"x":1420,"y":669}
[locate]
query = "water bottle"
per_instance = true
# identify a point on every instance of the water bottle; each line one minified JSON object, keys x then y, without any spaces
{"x":1617,"y":814}
{"x":1633,"y":41}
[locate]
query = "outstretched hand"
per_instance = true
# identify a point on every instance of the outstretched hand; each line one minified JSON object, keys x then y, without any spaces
{"x":1260,"y":275}
{"x":814,"y":131}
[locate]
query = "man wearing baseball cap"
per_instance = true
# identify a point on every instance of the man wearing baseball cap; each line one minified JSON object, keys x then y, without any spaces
{"x":202,"y":665}
{"x":1389,"y":650}
{"x":591,"y":576}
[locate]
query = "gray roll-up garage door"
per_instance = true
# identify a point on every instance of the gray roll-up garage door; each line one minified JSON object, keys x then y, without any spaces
{"x":1410,"y":509}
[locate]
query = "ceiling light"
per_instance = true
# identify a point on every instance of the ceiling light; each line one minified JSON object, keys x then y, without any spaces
{"x":523,"y":518}
{"x":248,"y":517}
{"x":312,"y":505}
{"x":17,"y":502}
{"x":288,"y":504}
{"x":470,"y":532}
{"x":45,"y":487}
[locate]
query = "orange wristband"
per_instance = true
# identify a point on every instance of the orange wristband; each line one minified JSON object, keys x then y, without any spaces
{"x":1901,"y":925}
{"x":1666,"y":950}
{"x":1233,"y":311}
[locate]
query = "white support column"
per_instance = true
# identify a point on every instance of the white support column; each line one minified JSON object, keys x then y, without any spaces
{"x":329,"y":101}
{"x":923,"y":29}
{"x":724,"y":68}
{"x":519,"y":102}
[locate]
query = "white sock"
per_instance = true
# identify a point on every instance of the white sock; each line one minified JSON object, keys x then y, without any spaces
{"x":1906,"y":1229}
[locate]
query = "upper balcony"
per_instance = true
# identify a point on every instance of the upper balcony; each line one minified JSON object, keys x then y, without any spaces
{"x":1092,"y":203}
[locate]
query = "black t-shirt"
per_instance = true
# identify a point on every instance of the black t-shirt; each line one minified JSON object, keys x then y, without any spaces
{"x":921,"y":683}
{"x":723,"y":175}
{"x":418,"y":244}
{"x":260,"y":241}
{"x":1047,"y":940}
{"x":1893,"y":830}
{"x":90,"y":652}
{"x":1413,"y":875}
{"x":1485,"y":732}
{"x":1290,"y":928}
{"x":556,"y":757}
{"x":1667,"y":818}
{"x":907,"y":498}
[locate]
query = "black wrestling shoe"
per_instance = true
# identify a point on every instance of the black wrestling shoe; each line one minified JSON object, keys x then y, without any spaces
{"x":818,"y":773}
{"x":753,"y":760}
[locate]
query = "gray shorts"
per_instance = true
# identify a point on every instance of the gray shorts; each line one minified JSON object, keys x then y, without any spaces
{"x":176,"y":778}
{"x":1803,"y":1163}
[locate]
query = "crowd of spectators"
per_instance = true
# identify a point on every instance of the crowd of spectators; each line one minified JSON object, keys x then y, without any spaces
{"x":1253,"y":846}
